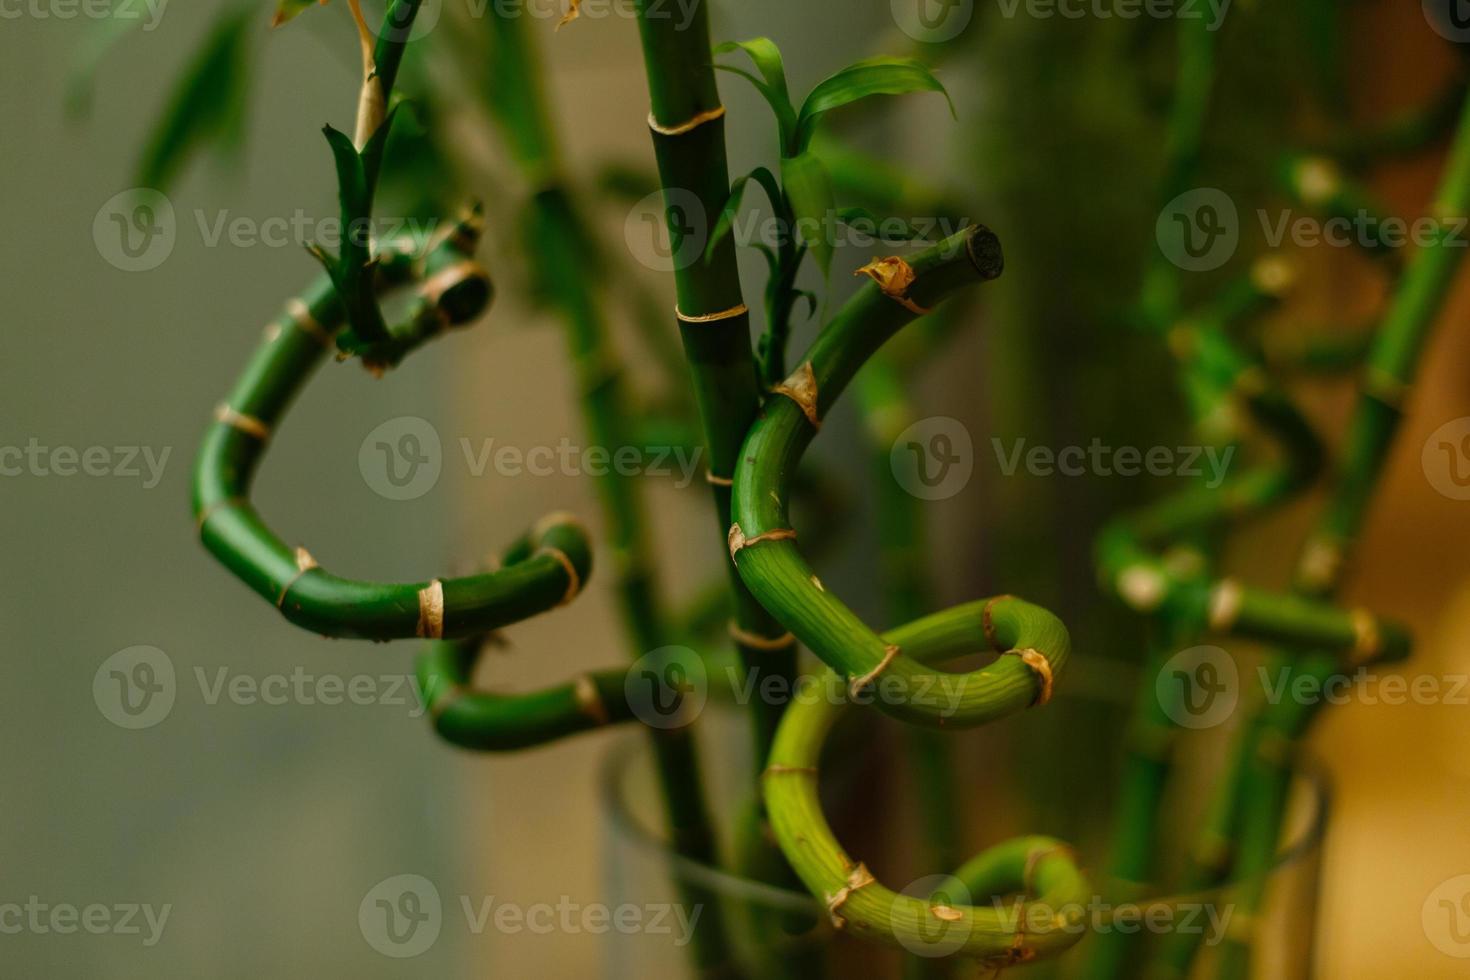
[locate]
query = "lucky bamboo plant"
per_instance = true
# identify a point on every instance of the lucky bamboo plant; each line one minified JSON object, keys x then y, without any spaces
{"x":731,"y":385}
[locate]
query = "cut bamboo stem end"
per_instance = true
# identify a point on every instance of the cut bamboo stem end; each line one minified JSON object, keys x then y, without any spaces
{"x":801,"y":388}
{"x":693,"y":123}
{"x":435,"y":287}
{"x":739,"y":542}
{"x":860,"y":878}
{"x":431,"y":611}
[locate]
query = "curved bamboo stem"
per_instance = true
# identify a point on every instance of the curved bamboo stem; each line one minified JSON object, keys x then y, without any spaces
{"x":1050,"y":922}
{"x":452,"y":291}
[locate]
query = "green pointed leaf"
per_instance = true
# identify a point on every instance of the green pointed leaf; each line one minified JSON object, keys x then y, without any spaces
{"x":351,"y":178}
{"x":208,"y":104}
{"x":771,"y":84}
{"x":881,"y":227}
{"x":289,"y":9}
{"x":873,"y":76}
{"x":726,"y":222}
{"x":809,"y":189}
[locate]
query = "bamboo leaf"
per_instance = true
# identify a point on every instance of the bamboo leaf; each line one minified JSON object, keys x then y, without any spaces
{"x":207,"y":106}
{"x":873,"y":76}
{"x":726,"y":222}
{"x":809,"y":189}
{"x":772,"y":83}
{"x":880,"y":227}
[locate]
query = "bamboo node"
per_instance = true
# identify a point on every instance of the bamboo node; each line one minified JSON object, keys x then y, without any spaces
{"x":894,"y":276}
{"x":1225,"y":603}
{"x":858,"y":684}
{"x":574,"y":581}
{"x":1041,"y":667}
{"x":739,"y":542}
{"x":717,"y":481}
{"x":589,"y":700}
{"x":801,"y":388}
{"x":302,"y":320}
{"x":304,"y":564}
{"x":431,"y":611}
{"x":1367,"y":638}
{"x":679,"y":129}
{"x":776,"y":769}
{"x":248,"y":424}
{"x":860,"y":878}
{"x":757,"y":642}
{"x":730,"y":314}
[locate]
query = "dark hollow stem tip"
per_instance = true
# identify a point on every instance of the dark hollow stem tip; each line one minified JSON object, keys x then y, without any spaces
{"x":985,"y":252}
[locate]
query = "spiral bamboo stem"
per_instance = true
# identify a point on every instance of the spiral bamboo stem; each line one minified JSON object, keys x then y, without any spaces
{"x":1050,"y":919}
{"x":763,"y":543}
{"x":452,"y":290}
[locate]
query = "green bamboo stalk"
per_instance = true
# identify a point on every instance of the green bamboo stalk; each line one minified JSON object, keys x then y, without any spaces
{"x":763,"y":543}
{"x":489,"y":722}
{"x":688,"y":127}
{"x":856,"y":901}
{"x":452,"y":291}
{"x":1392,"y":366}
